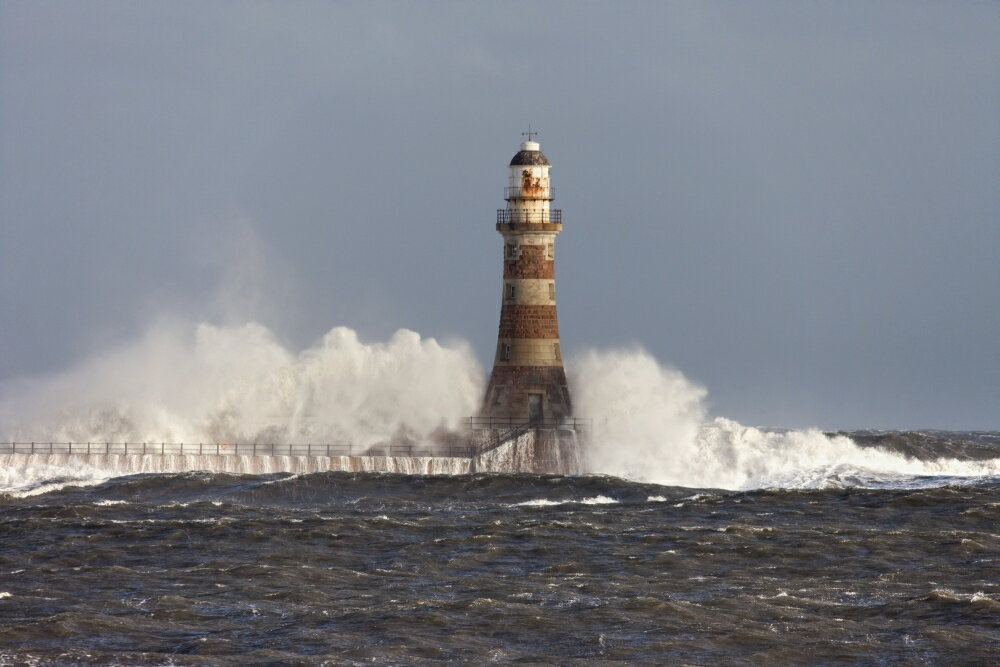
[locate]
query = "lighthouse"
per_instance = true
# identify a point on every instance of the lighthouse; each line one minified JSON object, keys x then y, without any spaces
{"x":528,"y":382}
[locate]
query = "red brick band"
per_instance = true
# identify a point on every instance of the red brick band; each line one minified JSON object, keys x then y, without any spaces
{"x":531,"y":263}
{"x":520,"y":321}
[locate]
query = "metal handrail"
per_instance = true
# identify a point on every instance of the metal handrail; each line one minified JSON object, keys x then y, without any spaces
{"x":504,"y":437}
{"x":509,"y":428}
{"x":506,"y":427}
{"x":506,"y":216}
{"x":232,"y":449}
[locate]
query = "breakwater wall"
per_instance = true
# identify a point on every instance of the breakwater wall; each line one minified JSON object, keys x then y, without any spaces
{"x":124,"y":464}
{"x":521,"y":450}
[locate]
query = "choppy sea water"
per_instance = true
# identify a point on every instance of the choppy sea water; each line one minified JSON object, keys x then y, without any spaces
{"x":361,"y":568}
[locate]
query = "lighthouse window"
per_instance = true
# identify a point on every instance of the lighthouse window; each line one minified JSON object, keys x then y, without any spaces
{"x":511,"y":291}
{"x":505,"y":352}
{"x":550,"y":251}
{"x":552,"y":290}
{"x":511,"y":251}
{"x":555,"y":348}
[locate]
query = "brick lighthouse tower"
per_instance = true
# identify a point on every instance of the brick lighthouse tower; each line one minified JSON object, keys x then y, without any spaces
{"x":528,"y":383}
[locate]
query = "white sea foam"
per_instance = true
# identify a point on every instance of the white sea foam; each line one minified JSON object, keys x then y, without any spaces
{"x":545,"y":502}
{"x":650,"y":424}
{"x":32,"y":480}
{"x":23,"y":475}
{"x":599,"y":500}
{"x":538,"y":502}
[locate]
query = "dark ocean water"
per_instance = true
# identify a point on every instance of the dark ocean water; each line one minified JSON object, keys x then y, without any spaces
{"x":345,"y":568}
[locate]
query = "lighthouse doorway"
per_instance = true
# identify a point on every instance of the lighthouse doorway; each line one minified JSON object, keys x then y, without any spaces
{"x":534,"y":408}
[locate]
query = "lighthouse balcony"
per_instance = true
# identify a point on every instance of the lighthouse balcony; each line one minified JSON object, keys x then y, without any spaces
{"x":536,"y":193}
{"x":506,"y":216}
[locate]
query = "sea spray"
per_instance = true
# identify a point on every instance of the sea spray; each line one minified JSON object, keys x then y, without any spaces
{"x":646,"y":418}
{"x":207,"y":383}
{"x":649,"y":424}
{"x":238,"y":383}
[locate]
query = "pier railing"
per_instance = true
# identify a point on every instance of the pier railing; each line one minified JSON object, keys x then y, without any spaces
{"x":503,"y":430}
{"x":493,"y":432}
{"x":234,"y":449}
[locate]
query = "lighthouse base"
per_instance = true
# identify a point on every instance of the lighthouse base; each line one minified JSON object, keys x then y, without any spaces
{"x":539,"y":451}
{"x":527,"y":392}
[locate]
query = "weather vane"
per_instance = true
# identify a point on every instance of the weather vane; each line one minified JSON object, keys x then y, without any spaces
{"x":529,"y":133}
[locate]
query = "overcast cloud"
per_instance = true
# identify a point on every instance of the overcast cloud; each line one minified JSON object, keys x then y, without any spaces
{"x":795,"y":204}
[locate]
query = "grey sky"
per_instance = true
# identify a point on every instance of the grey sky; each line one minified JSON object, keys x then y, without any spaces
{"x":795,"y":204}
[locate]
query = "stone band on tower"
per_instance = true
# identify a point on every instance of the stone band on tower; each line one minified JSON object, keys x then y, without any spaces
{"x":528,"y":381}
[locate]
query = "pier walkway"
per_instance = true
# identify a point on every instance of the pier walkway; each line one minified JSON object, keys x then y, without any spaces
{"x":483,"y":434}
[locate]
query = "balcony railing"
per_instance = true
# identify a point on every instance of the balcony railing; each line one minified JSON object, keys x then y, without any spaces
{"x":493,"y":423}
{"x":506,"y":216}
{"x":547,"y":194}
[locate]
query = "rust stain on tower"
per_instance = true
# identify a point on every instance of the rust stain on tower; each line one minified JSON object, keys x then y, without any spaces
{"x":528,"y":382}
